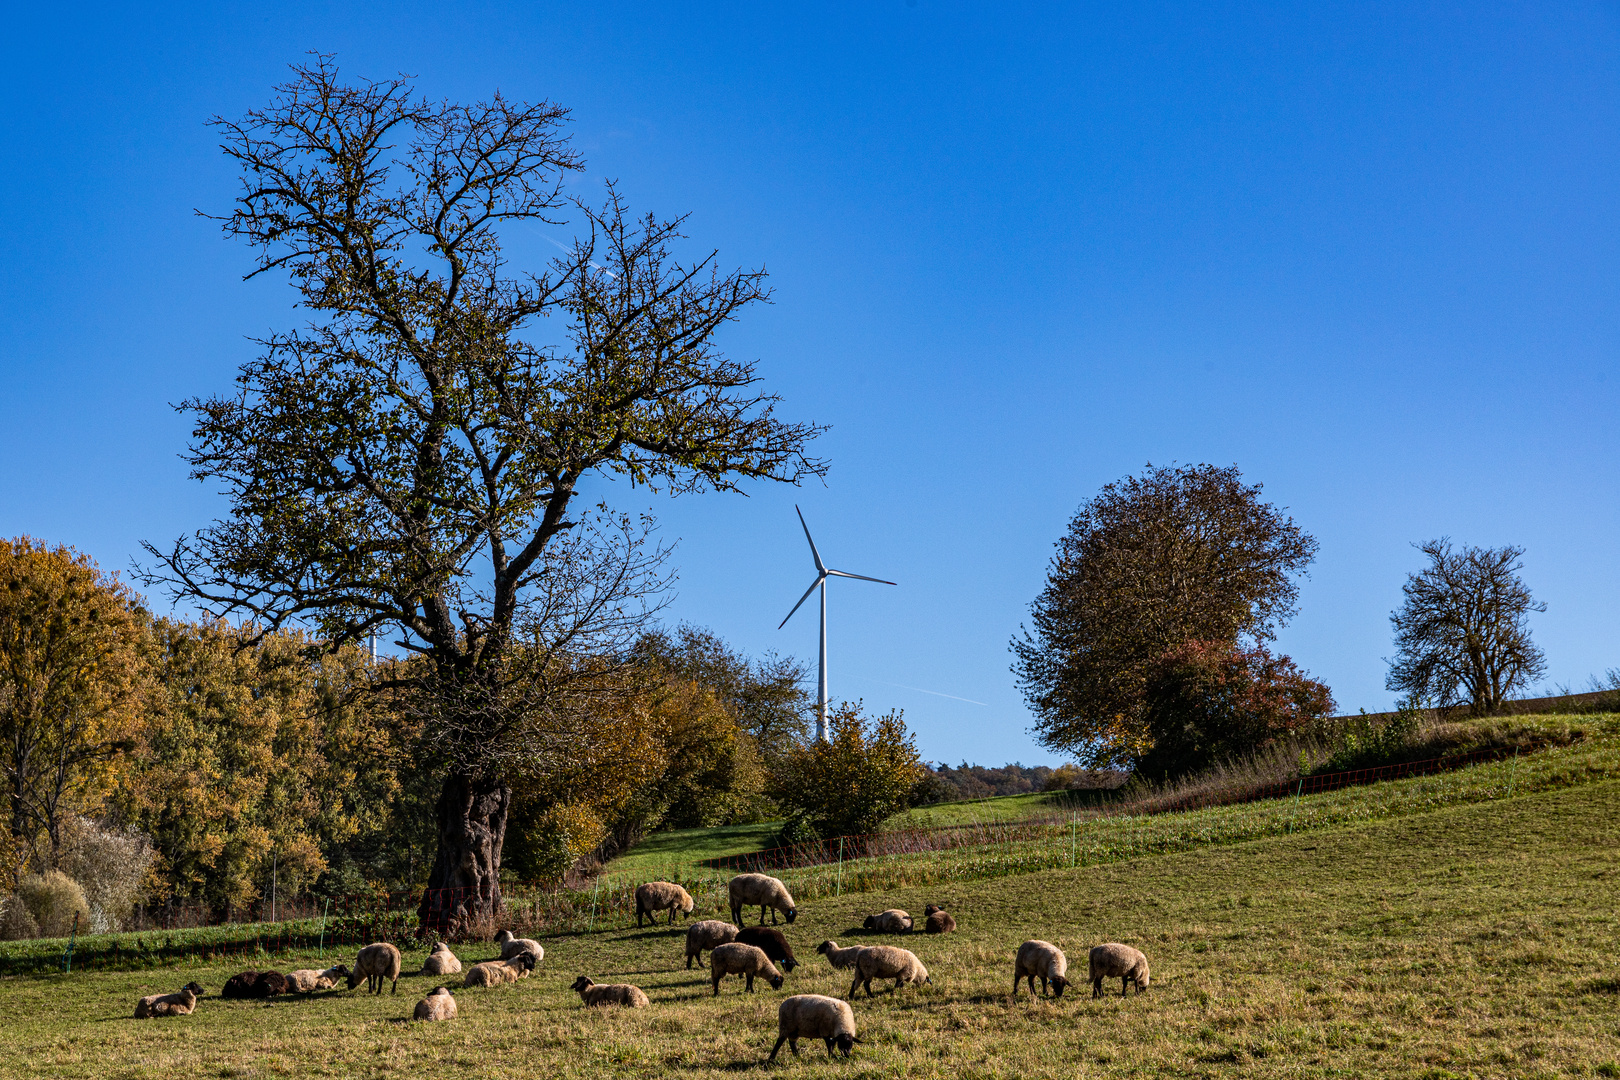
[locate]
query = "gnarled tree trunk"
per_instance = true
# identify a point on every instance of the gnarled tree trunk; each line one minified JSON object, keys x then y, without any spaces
{"x":465,"y":886}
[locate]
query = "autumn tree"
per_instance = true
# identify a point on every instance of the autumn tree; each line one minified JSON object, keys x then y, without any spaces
{"x":1174,"y":555}
{"x":72,"y":686}
{"x":850,"y":783}
{"x":414,"y":457}
{"x":1462,"y":632}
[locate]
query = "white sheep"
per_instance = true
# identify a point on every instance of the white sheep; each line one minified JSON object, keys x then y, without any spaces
{"x":749,"y":889}
{"x":308,"y":980}
{"x":656,"y":896}
{"x":609,"y":994}
{"x":735,"y":958}
{"x":706,"y":935}
{"x":1116,"y":961}
{"x":438,"y":1005}
{"x":839,"y":958}
{"x":814,"y":1016}
{"x":498,"y":972}
{"x":887,"y":962}
{"x":1043,"y":960}
{"x":177,"y":1004}
{"x":518,"y":946}
{"x":893,"y":921}
{"x":374,"y":964}
{"x":441,"y":961}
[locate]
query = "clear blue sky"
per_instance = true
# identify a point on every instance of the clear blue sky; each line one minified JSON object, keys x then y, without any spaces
{"x":1366,"y":252}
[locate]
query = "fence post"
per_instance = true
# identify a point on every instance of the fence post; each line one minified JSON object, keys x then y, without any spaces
{"x":840,"y":866}
{"x":1295,"y":814}
{"x":1513,"y":772}
{"x":1072,"y":829}
{"x":594,"y":893}
{"x":67,"y":955}
{"x":322,"y":946}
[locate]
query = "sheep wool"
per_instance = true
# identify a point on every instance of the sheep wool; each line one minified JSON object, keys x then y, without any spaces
{"x":1042,"y":960}
{"x":893,"y":921}
{"x":747,"y":890}
{"x":177,"y":1004}
{"x":839,"y":958}
{"x":772,"y":942}
{"x":814,"y":1016}
{"x":438,"y":1005}
{"x":592,"y":993}
{"x":735,"y":958}
{"x":308,"y":980}
{"x":499,"y":972}
{"x":516,"y":946}
{"x":656,"y":896}
{"x":706,"y":935}
{"x":1116,"y":961}
{"x":374,"y":964}
{"x":887,"y":962}
{"x":441,"y":961}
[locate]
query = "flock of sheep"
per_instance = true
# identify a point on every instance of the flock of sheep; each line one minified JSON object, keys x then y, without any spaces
{"x":734,"y":950}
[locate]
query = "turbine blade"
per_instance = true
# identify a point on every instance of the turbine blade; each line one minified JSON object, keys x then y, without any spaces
{"x":820,"y":567}
{"x":802,"y":599}
{"x":862,"y":577}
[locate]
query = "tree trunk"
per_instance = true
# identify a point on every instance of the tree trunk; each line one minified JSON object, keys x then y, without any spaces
{"x":465,"y":887}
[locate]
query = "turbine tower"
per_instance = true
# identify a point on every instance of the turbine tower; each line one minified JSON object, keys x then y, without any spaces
{"x":822,"y":574}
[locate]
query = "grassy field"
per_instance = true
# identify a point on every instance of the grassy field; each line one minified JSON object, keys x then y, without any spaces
{"x":691,"y":847}
{"x":1464,"y":940}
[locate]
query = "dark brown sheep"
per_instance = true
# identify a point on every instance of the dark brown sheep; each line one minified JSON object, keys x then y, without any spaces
{"x":770,"y":941}
{"x":255,"y":984}
{"x":939,"y":920}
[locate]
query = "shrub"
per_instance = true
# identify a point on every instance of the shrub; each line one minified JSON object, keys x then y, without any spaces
{"x":798,"y":830}
{"x":53,"y":899}
{"x":15,"y":922}
{"x":111,"y":865}
{"x":1365,"y":742}
{"x":846,"y":786}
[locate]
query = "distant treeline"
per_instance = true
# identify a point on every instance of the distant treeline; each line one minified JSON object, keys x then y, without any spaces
{"x":946,"y":783}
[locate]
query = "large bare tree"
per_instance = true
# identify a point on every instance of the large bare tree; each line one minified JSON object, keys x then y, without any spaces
{"x":414,"y":458}
{"x":1462,"y":632}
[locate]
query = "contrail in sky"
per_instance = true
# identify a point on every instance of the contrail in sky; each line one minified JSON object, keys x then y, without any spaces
{"x":920,"y":690}
{"x":565,"y":249}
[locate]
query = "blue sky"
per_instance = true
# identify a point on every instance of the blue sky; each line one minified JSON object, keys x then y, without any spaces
{"x":1366,"y":252}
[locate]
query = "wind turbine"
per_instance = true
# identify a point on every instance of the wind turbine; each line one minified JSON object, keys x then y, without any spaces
{"x":822,"y":574}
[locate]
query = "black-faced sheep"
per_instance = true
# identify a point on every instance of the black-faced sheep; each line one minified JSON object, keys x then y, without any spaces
{"x":441,"y":961}
{"x":518,"y":946}
{"x":735,"y":958}
{"x":612,"y":994}
{"x":178,"y":1004}
{"x":769,"y":893}
{"x":254,"y":984}
{"x":770,"y":941}
{"x":374,"y":964}
{"x":839,"y":958}
{"x":1042,"y":960}
{"x":499,"y":972}
{"x":656,"y":896}
{"x":887,"y":962}
{"x":438,"y":1005}
{"x":814,"y":1016}
{"x":1116,"y":961}
{"x":308,"y":980}
{"x":939,"y":921}
{"x":893,"y":921}
{"x":706,"y":935}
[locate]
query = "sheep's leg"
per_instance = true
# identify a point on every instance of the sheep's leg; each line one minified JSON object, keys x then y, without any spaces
{"x":1096,"y":987}
{"x":1124,"y":986}
{"x":672,"y":914}
{"x":395,"y":990}
{"x":854,"y":986}
{"x":779,"y":1041}
{"x":717,"y":986}
{"x":1017,"y":978}
{"x":750,"y":986}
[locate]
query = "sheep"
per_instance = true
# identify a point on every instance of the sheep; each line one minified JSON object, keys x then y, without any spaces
{"x":749,"y":889}
{"x":735,"y":958}
{"x":254,"y":984}
{"x":839,"y":958}
{"x":497,"y":972}
{"x":656,"y":896}
{"x":374,"y":964}
{"x":706,"y":935}
{"x":1116,"y":961}
{"x":179,"y":1004}
{"x":939,"y":921}
{"x":615,"y":994}
{"x":517,"y":946}
{"x":1041,"y":959}
{"x":441,"y":961}
{"x":438,"y":1005}
{"x":893,"y":921}
{"x":308,"y":980}
{"x":813,"y":1016}
{"x":771,"y":942}
{"x":887,"y":962}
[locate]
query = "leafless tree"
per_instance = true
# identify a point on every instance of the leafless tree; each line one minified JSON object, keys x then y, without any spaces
{"x":1462,"y":633}
{"x":413,"y":457}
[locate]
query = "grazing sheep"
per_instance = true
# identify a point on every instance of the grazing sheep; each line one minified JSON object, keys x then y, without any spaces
{"x":839,"y":958}
{"x":762,"y":889}
{"x":735,"y":958}
{"x":498,"y":972}
{"x":308,"y":980}
{"x":1116,"y":961}
{"x":374,"y":964}
{"x":1044,"y":960}
{"x":887,"y":962}
{"x":706,"y":935}
{"x":813,"y":1016}
{"x":615,"y":994}
{"x":438,"y":1005}
{"x":517,"y":946}
{"x":939,"y":920}
{"x":254,"y":984}
{"x":179,"y":1004}
{"x":441,"y":961}
{"x":656,"y":896}
{"x":770,"y":941}
{"x":893,"y":921}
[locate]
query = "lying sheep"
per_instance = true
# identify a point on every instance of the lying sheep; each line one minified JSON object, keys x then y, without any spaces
{"x":939,"y":920}
{"x":706,"y":935}
{"x":749,"y":889}
{"x":615,"y":994}
{"x":499,"y":972}
{"x":441,"y":961}
{"x":656,"y":896}
{"x":770,"y":941}
{"x":839,"y":958}
{"x":374,"y":964}
{"x":887,"y":962}
{"x":254,"y":984}
{"x":308,"y":980}
{"x":735,"y":958}
{"x":893,"y":921}
{"x":1044,"y":960}
{"x":438,"y":1005}
{"x":517,"y":946}
{"x":179,"y":1004}
{"x":813,"y":1016}
{"x":1116,"y":961}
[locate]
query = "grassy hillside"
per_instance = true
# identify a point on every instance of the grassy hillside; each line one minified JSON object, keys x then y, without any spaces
{"x":1465,"y":940}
